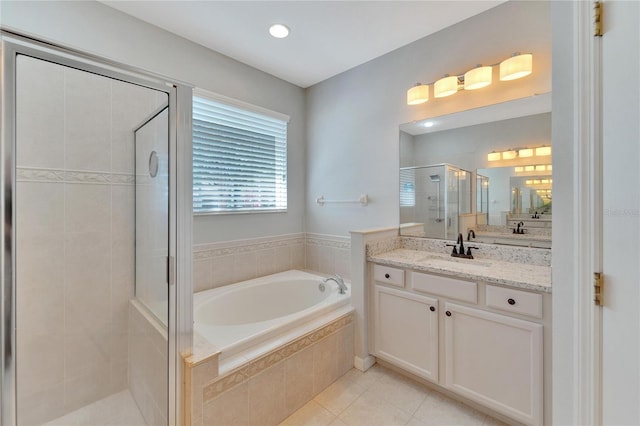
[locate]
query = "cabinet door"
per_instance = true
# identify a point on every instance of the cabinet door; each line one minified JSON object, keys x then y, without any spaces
{"x":495,"y":360}
{"x":406,"y":331}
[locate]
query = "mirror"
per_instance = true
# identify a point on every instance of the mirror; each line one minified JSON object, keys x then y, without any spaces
{"x":449,"y":186}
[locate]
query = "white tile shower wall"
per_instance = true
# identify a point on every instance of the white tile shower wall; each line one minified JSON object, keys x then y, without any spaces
{"x":148,"y":348}
{"x":75,"y":239}
{"x":228,"y":262}
{"x":329,"y":254}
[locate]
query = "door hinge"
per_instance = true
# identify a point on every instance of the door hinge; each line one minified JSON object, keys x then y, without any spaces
{"x":597,"y":19}
{"x":597,"y":288}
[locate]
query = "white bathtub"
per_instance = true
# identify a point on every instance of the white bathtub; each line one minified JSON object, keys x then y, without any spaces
{"x":239,"y":317}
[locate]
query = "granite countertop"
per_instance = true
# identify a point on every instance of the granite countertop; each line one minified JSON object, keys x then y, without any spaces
{"x":521,"y":275}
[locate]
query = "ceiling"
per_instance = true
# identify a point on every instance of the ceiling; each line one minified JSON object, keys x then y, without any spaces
{"x":327,"y":37}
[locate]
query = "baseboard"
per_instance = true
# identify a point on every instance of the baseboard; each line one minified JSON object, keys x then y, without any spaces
{"x":363,"y":364}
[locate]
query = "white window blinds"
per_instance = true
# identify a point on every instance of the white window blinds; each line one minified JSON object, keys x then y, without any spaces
{"x":407,"y":187}
{"x":239,"y":159}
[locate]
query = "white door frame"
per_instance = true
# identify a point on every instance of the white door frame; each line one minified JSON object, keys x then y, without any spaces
{"x":587,"y":232}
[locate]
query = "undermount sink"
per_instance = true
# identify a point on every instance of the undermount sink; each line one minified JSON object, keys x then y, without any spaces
{"x":438,"y":260}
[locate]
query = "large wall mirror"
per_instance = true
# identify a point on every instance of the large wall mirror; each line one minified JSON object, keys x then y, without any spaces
{"x":486,"y":170}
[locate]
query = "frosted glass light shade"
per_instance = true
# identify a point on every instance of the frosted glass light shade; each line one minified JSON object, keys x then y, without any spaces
{"x":509,"y":155}
{"x":543,"y":150}
{"x":541,"y":168}
{"x":516,"y":67}
{"x":493,"y":156}
{"x":477,"y":78}
{"x":446,"y":86}
{"x":418,"y":94}
{"x":529,"y":168}
{"x":519,"y":169}
{"x":527,"y":152}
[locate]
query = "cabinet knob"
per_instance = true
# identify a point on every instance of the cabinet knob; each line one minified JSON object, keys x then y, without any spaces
{"x":432,"y":308}
{"x":448,"y":313}
{"x":387,"y":276}
{"x":511,"y":301}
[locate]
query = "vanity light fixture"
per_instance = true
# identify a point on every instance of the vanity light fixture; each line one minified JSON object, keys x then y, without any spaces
{"x":446,"y":86}
{"x":494,"y":156}
{"x":418,"y":94}
{"x":509,"y":155}
{"x":543,"y":150}
{"x":527,"y":152}
{"x":536,"y":168}
{"x":279,"y":30}
{"x":478,"y":77}
{"x":529,"y":168}
{"x":517,"y":66}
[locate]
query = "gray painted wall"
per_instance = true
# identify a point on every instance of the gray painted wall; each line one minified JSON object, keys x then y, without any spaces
{"x":95,"y":28}
{"x":353,"y":118}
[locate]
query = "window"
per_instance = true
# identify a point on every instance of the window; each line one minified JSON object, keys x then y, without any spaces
{"x":407,"y":188}
{"x":239,"y":157}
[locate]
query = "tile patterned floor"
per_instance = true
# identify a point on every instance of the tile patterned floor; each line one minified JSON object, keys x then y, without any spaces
{"x":118,"y":409}
{"x":382,"y":397}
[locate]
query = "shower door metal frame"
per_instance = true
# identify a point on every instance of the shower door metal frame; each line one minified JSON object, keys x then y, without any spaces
{"x":180,"y":206}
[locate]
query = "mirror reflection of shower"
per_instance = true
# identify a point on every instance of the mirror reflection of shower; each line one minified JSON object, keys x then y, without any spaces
{"x":432,"y":199}
{"x":436,"y":179}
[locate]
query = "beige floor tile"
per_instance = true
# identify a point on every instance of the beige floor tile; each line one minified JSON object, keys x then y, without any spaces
{"x":400,"y":391}
{"x":337,"y":422}
{"x":368,"y":410}
{"x":368,"y":378}
{"x":438,"y":409}
{"x":490,"y":421}
{"x":415,"y":422}
{"x":311,"y":414}
{"x":340,"y":395}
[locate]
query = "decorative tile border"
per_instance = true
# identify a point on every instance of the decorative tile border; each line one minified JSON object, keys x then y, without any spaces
{"x":27,"y":174}
{"x":207,"y":251}
{"x":329,"y":241}
{"x":241,"y":374}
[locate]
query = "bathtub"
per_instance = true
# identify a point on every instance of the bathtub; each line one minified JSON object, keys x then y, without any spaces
{"x":242,"y":318}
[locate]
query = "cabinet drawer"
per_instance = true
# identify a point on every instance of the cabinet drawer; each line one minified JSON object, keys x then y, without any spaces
{"x":386,"y":274}
{"x":510,"y":300}
{"x":443,"y":286}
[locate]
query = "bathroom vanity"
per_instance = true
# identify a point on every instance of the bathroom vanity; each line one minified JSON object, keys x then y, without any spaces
{"x":479,"y":328}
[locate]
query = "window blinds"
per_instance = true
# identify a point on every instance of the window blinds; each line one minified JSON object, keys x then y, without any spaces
{"x":239,"y":159}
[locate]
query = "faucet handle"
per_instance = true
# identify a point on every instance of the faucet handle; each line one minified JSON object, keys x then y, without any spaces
{"x":469,"y":248}
{"x":455,"y":249}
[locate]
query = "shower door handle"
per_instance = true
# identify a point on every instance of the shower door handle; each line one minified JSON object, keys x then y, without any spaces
{"x":171,"y":270}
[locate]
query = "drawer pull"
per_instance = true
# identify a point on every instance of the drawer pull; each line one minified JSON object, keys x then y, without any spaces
{"x":432,"y":308}
{"x":511,"y":301}
{"x":387,"y":276}
{"x":448,"y":313}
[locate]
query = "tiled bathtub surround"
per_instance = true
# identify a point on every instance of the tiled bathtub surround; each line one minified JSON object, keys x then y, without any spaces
{"x":268,"y":389}
{"x":75,"y":235}
{"x":329,"y":254}
{"x":229,"y":262}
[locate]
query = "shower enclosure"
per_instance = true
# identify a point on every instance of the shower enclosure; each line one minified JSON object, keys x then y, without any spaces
{"x":440,"y":193}
{"x":87,"y":315}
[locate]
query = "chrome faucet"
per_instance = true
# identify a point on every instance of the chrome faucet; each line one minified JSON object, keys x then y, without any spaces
{"x":342,"y":287}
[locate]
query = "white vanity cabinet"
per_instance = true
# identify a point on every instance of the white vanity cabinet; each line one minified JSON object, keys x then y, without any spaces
{"x":406,"y":330}
{"x":495,"y":360}
{"x":481,"y":341}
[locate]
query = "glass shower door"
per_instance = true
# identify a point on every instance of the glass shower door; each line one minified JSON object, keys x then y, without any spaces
{"x":88,"y":352}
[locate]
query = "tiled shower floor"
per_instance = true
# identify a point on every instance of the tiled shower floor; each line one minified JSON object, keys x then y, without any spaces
{"x":118,"y":409}
{"x":383,"y":397}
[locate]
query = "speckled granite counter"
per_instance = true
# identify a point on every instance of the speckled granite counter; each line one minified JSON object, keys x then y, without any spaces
{"x":521,"y":275}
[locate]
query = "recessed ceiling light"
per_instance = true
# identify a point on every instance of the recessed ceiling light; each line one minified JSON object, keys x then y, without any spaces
{"x":428,"y":124}
{"x":279,"y":30}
